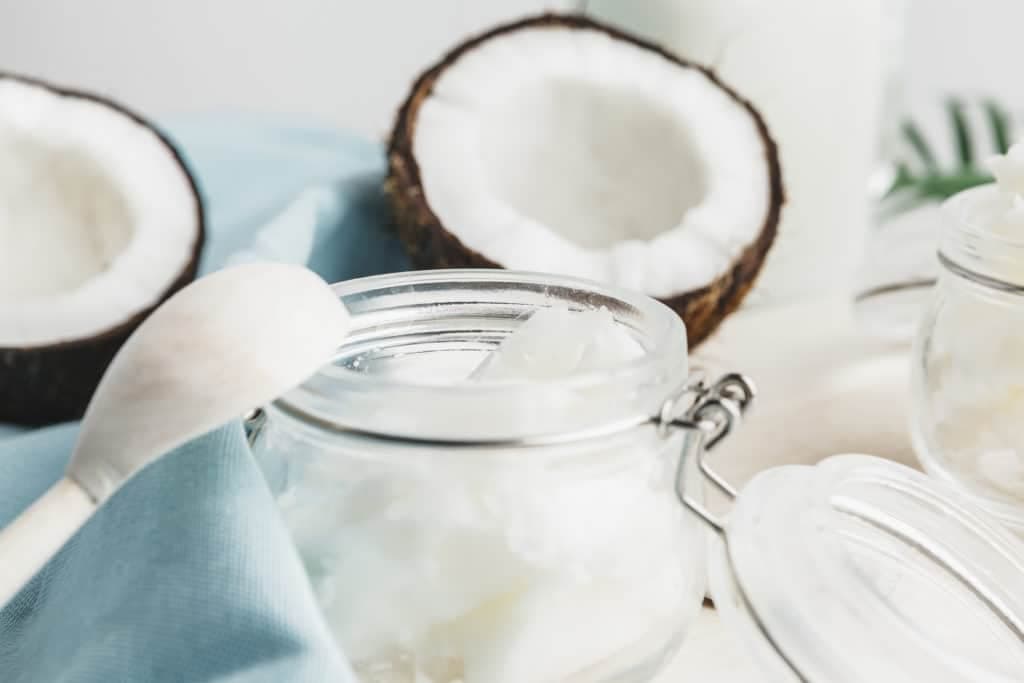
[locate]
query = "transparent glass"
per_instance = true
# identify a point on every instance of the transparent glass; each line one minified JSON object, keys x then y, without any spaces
{"x":968,"y":365}
{"x":945,"y":118}
{"x":859,"y":569}
{"x":520,"y":560}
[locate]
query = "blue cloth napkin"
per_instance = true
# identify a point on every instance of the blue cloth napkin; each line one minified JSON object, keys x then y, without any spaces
{"x":187,"y":574}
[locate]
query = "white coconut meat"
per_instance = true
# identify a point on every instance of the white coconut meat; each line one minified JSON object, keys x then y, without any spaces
{"x":576,"y":152}
{"x":97,"y":216}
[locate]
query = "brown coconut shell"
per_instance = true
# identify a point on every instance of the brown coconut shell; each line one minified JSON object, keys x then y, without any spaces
{"x":53,"y":383}
{"x":430,"y":245}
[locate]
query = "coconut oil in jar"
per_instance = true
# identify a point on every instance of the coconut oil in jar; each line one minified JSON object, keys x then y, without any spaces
{"x":520,"y":558}
{"x":968,"y":408}
{"x":817,"y":71}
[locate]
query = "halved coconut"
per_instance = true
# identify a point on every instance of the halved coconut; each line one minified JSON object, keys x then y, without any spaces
{"x":99,"y":222}
{"x":557,"y":144}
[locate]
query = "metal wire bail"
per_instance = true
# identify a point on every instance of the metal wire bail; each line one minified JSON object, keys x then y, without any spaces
{"x":707,"y":414}
{"x":252,"y":422}
{"x":715,"y":411}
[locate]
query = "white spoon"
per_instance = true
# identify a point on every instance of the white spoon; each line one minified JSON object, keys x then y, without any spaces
{"x":221,"y":346}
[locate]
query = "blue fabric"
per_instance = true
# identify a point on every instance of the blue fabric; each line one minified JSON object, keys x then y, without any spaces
{"x":187,"y":574}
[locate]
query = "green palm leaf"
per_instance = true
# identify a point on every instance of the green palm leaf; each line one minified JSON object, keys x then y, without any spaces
{"x":935,"y":183}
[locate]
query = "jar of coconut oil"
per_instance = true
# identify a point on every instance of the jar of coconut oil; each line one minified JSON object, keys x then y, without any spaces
{"x":476,"y":485}
{"x":968,"y":409}
{"x":500,"y":480}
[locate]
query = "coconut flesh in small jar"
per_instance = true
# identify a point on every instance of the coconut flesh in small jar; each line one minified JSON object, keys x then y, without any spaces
{"x":506,"y":567}
{"x":979,"y":408}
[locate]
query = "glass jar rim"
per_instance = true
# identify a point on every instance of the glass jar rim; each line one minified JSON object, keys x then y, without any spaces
{"x":649,"y":307}
{"x":973,"y":250}
{"x":665,"y":351}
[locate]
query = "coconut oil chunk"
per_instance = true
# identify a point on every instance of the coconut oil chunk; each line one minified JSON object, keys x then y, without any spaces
{"x":556,"y":342}
{"x":479,"y":568}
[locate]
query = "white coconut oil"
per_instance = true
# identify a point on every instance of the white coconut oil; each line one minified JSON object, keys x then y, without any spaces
{"x":969,"y":365}
{"x":816,"y":71}
{"x":976,"y":393}
{"x":573,"y":565}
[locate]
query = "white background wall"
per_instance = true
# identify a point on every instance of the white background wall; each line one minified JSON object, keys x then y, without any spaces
{"x":972,"y":47}
{"x":338,"y":59}
{"x":350,"y":62}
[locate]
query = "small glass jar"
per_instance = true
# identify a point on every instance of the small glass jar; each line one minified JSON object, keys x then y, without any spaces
{"x":554,"y":531}
{"x":968,"y":372}
{"x":446,"y":536}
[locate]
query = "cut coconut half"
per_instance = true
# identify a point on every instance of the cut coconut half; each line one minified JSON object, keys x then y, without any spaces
{"x":99,"y":222}
{"x":559,"y":145}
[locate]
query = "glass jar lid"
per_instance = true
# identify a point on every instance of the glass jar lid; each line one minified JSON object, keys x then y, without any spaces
{"x":860,"y":569}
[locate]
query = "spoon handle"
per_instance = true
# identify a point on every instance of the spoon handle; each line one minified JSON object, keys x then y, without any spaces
{"x":29,"y":542}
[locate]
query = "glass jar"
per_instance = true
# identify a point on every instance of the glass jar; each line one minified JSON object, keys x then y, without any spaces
{"x":554,"y":531}
{"x":968,"y":372}
{"x":446,"y":536}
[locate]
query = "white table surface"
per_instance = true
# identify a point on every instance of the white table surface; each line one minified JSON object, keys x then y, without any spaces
{"x":825,"y":388}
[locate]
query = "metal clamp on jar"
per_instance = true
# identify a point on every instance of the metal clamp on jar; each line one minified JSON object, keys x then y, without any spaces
{"x":858,"y":569}
{"x":532,"y":532}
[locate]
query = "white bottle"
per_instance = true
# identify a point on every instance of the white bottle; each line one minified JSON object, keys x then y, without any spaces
{"x":816,"y":70}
